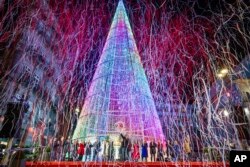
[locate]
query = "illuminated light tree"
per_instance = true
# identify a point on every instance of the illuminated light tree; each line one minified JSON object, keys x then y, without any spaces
{"x":119,"y":99}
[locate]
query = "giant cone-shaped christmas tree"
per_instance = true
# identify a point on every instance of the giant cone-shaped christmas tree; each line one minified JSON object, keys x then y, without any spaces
{"x":119,"y":99}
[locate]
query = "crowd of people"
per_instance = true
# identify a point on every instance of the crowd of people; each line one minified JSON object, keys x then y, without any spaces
{"x":126,"y":150}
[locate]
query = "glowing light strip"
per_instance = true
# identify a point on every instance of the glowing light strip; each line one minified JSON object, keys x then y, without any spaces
{"x":119,"y":75}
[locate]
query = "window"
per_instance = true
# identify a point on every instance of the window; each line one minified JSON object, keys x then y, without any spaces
{"x":35,"y":82}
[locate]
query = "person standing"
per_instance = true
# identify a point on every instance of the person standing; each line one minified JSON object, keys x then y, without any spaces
{"x":140,"y":149}
{"x":152,"y":147}
{"x":80,"y":151}
{"x":54,"y":149}
{"x":187,"y":147}
{"x":75,"y":149}
{"x":71,"y":156}
{"x":111,"y":151}
{"x":176,"y":150}
{"x":66,"y":149}
{"x":169,"y":150}
{"x":105,"y":150}
{"x":144,"y":151}
{"x":136,"y":152}
{"x":97,"y":149}
{"x":88,"y":151}
{"x":57,"y":147}
{"x":129,"y":150}
{"x":160,"y":151}
{"x":102,"y":150}
{"x":124,"y":147}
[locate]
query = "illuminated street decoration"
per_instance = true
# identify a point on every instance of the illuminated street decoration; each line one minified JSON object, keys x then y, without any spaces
{"x":119,"y":99}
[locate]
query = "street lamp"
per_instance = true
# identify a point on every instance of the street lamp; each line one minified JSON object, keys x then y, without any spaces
{"x":77,"y":110}
{"x":222,"y":73}
{"x":226,"y":113}
{"x":246,"y":110}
